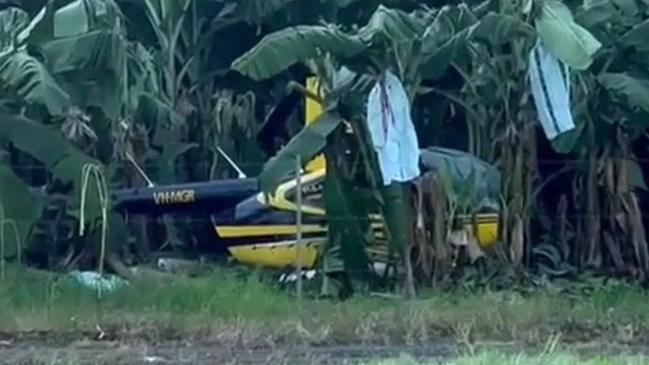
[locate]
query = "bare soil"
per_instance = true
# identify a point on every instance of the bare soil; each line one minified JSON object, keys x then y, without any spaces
{"x":42,"y":348}
{"x":119,"y":353}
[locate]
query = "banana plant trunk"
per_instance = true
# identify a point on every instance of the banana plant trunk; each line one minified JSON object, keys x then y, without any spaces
{"x":398,"y":218}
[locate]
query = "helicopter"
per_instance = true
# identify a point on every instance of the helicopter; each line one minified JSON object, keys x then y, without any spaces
{"x":261,"y":229}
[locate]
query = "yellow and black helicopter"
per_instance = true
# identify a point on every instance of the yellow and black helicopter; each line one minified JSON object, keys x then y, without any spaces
{"x":260,"y":229}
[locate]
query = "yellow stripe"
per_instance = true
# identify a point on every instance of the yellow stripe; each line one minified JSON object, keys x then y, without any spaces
{"x":278,"y":254}
{"x":279,"y":200}
{"x":265,"y":230}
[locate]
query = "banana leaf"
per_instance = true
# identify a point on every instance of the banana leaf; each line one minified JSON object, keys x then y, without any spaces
{"x":166,"y":163}
{"x":637,"y":37}
{"x":69,"y":19}
{"x":564,"y":38}
{"x":466,"y":169}
{"x":159,"y":117}
{"x":94,"y":51}
{"x":601,"y":13}
{"x":495,"y":29}
{"x":17,"y":206}
{"x":391,"y":25}
{"x":85,"y":48}
{"x":310,"y":141}
{"x":594,"y":14}
{"x":631,"y":91}
{"x":12,"y":22}
{"x":48,"y":146}
{"x":93,"y":64}
{"x":444,"y":43}
{"x":571,"y":140}
{"x":27,"y":78}
{"x":278,"y":51}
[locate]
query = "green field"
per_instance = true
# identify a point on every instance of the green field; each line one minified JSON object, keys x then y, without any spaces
{"x":235,"y":308}
{"x":594,"y":323}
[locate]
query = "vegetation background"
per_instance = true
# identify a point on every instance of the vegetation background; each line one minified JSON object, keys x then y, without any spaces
{"x":89,"y":86}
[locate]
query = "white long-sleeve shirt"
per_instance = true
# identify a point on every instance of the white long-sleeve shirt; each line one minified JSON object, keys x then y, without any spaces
{"x":550,"y":83}
{"x":392,"y":132}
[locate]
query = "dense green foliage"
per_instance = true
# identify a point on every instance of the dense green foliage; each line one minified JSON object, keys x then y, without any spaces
{"x":170,"y":84}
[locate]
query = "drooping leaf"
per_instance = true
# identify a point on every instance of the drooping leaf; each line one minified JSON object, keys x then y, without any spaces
{"x":628,"y":7}
{"x":168,"y":158}
{"x":439,"y":50}
{"x":637,"y":37}
{"x":278,"y":51}
{"x":26,"y":33}
{"x":567,"y":142}
{"x":636,"y":175}
{"x":594,"y":13}
{"x":160,"y":117}
{"x":48,"y":146}
{"x":564,"y":38}
{"x":548,"y":252}
{"x":496,"y":29}
{"x":85,"y":49}
{"x":27,"y":78}
{"x":93,"y":64}
{"x":351,"y":90}
{"x":19,"y":207}
{"x":464,"y":168}
{"x":393,"y":25}
{"x":306,"y":144}
{"x":437,"y":58}
{"x":142,"y":67}
{"x":597,"y":12}
{"x":444,"y":39}
{"x":96,"y":51}
{"x":633,"y":92}
{"x":12,"y":22}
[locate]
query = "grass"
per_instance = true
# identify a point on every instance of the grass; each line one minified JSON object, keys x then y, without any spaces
{"x":234,"y":310}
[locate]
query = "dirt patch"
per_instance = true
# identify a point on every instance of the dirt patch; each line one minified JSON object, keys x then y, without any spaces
{"x":115,"y":353}
{"x":120,"y":348}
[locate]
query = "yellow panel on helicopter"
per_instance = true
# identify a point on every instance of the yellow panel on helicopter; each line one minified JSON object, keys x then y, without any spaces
{"x":313,"y":112}
{"x":283,"y":254}
{"x":487,"y":234}
{"x":486,"y":228}
{"x":278,"y":255}
{"x":266,"y":230}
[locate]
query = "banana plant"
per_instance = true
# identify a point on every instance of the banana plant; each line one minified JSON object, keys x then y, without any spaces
{"x":500,"y":118}
{"x":416,"y":45}
{"x":193,"y":41}
{"x":68,"y":72}
{"x":611,"y":119}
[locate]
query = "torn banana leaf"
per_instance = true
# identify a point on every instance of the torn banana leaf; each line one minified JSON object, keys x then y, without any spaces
{"x":309,"y":142}
{"x":48,"y":146}
{"x":564,"y":38}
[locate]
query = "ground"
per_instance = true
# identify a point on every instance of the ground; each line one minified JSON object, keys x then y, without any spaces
{"x":227,"y":318}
